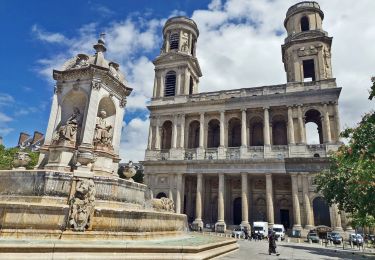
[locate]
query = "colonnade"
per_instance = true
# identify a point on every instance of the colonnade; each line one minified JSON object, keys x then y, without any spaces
{"x":178,"y":127}
{"x":297,"y":214}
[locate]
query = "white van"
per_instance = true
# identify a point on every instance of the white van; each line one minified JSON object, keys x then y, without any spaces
{"x":261,"y":228}
{"x":279,"y":230}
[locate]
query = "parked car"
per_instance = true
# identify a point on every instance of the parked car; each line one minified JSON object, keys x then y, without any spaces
{"x":313,"y":237}
{"x":239,"y":231}
{"x":336,"y":238}
{"x":356,"y":239}
{"x":279,"y":231}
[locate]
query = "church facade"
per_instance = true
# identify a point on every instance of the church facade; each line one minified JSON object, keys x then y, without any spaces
{"x":238,"y":156}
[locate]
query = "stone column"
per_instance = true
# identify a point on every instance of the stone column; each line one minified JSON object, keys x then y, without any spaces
{"x":154,"y":93}
{"x":337,"y":121}
{"x":92,"y":111}
{"x":266,"y":128}
{"x":182,"y":131}
{"x":327,"y":125}
{"x":243,"y":129}
{"x":198,"y":223}
{"x":174,"y":132}
{"x":220,"y":225}
{"x":338,"y":226}
{"x":52,"y":119}
{"x":222,"y":125}
{"x":149,"y":144}
{"x":161,"y":87}
{"x":178,"y":193}
{"x":201,"y":131}
{"x":245,"y":206}
{"x":307,"y":203}
{"x":296,"y":207}
{"x":291,"y":126}
{"x":186,"y":83}
{"x":157,"y":134}
{"x":301,"y":125}
{"x":269,"y":196}
{"x":170,"y":195}
{"x":178,"y":83}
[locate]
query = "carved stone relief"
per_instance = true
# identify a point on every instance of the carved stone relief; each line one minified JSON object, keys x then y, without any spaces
{"x":82,"y":205}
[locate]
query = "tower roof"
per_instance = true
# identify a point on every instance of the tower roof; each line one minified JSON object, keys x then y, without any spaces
{"x":302,"y":7}
{"x":176,"y":21}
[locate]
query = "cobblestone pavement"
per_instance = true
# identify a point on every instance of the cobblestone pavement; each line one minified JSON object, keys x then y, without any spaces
{"x":259,"y":250}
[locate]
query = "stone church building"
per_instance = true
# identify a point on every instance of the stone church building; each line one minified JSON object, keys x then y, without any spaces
{"x":237,"y":156}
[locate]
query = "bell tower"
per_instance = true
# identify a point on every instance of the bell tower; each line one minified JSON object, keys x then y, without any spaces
{"x":307,"y":48}
{"x":177,"y":70}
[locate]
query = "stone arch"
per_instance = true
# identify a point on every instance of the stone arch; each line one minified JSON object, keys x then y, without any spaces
{"x":73,"y":99}
{"x":256,"y":131}
{"x":321,"y":212}
{"x":107,"y":105}
{"x":166,"y":135}
{"x":279,"y":130}
{"x":260,"y":213}
{"x":161,"y":195}
{"x":170,"y":84}
{"x":305,"y":24}
{"x":234,"y":132}
{"x":313,"y":126}
{"x":213,"y":134}
{"x":193,"y":135}
{"x":237,"y":211}
{"x":285,"y":212}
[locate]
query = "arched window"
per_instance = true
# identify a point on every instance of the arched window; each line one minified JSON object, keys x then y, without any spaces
{"x":256,"y":132}
{"x":313,"y":127}
{"x":170,"y":84}
{"x":173,"y":41}
{"x":305,"y":25}
{"x":234,"y":133}
{"x":279,"y":132}
{"x":193,"y":140}
{"x":213,"y":136}
{"x":166,"y":135}
{"x":161,"y":195}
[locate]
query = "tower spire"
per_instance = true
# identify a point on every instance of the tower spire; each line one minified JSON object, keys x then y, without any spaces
{"x":100,"y":46}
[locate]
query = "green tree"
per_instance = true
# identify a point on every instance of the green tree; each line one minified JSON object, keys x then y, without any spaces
{"x":350,"y":181}
{"x":7,"y":155}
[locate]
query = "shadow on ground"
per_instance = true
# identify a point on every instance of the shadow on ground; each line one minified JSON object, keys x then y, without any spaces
{"x":329,"y":252}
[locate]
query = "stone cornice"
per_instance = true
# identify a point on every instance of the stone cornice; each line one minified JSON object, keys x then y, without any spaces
{"x":94,"y":71}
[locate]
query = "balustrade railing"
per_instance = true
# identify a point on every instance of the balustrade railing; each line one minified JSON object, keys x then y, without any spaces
{"x":211,"y":154}
{"x":233,"y":153}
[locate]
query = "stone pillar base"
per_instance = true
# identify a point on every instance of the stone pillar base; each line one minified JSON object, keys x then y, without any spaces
{"x":338,"y":229}
{"x":246,"y":225}
{"x":220,"y":227}
{"x":309,"y":227}
{"x":296,"y":227}
{"x":197,"y":225}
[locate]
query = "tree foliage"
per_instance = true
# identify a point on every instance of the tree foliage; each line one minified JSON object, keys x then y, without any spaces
{"x":7,"y":155}
{"x":350,"y":181}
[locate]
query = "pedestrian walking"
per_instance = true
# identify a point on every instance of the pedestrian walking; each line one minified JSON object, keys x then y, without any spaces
{"x":272,"y":244}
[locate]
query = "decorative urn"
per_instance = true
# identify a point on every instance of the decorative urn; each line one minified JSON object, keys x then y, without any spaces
{"x":129,"y":171}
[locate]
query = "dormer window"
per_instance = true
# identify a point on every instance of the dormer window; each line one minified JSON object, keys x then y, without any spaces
{"x":305,"y":25}
{"x":170,"y":84}
{"x":173,"y":41}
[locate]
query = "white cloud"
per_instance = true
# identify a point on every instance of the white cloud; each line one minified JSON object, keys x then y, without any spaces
{"x":4,"y":118}
{"x":134,"y":140}
{"x":5,"y":130}
{"x":47,"y":36}
{"x":5,"y":99}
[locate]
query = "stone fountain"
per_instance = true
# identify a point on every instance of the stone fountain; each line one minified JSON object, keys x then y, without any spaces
{"x":74,"y":193}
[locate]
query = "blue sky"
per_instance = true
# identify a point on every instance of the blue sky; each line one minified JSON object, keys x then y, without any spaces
{"x":239,"y":46}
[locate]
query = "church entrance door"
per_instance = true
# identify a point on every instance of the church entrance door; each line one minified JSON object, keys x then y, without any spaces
{"x":284,"y":218}
{"x":237,"y":211}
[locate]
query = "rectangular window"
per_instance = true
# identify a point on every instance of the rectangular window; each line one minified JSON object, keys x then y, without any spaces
{"x":308,"y":70}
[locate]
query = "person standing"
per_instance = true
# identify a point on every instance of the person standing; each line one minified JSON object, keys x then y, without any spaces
{"x":272,"y":244}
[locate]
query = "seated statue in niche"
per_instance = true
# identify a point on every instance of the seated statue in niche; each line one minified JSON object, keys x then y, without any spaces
{"x":103,"y":134}
{"x":68,"y":131}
